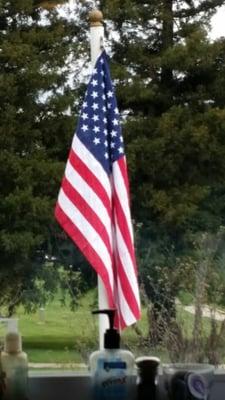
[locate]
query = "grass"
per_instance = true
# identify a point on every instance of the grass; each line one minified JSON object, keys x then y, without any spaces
{"x":186,"y":298}
{"x":63,"y":336}
{"x":68,"y":336}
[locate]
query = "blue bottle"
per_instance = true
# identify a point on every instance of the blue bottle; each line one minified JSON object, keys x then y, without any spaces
{"x":111,"y":368}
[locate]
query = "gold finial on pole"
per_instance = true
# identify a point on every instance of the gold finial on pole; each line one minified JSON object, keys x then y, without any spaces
{"x":95,"y":18}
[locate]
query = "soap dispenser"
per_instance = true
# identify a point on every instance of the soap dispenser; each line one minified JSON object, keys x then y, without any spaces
{"x":111,"y":368}
{"x":14,"y":367}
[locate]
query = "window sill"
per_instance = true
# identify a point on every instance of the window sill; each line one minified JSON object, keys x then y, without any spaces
{"x":68,"y":385}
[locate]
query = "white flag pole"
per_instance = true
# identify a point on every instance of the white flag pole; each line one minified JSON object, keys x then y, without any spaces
{"x":96,"y":39}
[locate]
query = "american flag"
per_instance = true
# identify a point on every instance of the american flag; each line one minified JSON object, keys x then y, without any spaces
{"x":93,"y":202}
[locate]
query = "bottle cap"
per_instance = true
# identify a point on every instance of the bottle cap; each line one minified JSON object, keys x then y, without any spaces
{"x":111,"y":336}
{"x":147,"y":362}
{"x":13,"y":343}
{"x":147,"y":366}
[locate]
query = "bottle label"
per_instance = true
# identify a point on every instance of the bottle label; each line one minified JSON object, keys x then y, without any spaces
{"x":110,"y":380}
{"x":197,"y":386}
{"x":115,"y":365}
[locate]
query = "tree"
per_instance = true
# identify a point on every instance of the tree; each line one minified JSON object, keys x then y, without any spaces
{"x":35,"y":134}
{"x":168,"y":74}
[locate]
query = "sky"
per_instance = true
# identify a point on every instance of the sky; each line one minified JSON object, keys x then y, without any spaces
{"x":218,"y":24}
{"x":218,"y":21}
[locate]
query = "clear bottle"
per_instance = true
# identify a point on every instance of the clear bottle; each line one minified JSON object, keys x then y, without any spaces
{"x":111,"y":368}
{"x":14,"y":367}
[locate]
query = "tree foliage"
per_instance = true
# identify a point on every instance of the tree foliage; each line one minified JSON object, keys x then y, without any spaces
{"x":168,"y":76}
{"x":35,"y":133}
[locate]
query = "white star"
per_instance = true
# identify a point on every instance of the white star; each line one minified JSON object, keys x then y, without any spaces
{"x":94,"y":106}
{"x":85,"y":104}
{"x":95,"y":71}
{"x":101,"y":61}
{"x":120,"y":149}
{"x":116,"y":110}
{"x":115,"y":122}
{"x":112,"y":145}
{"x":113,"y":133}
{"x":105,"y":143}
{"x":84,"y":116}
{"x":106,"y":156}
{"x":94,"y":95}
{"x":96,"y":141}
{"x":121,"y":139}
{"x":103,"y":97}
{"x":110,"y":93}
{"x":102,"y":73}
{"x":84,"y":128}
{"x":109,"y":105}
{"x":102,"y":85}
{"x":95,"y":117}
{"x":96,"y":129}
{"x":94,"y":82}
{"x":105,"y":120}
{"x":104,"y":108}
{"x":105,"y":132}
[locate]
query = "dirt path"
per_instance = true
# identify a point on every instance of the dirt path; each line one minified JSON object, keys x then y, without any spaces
{"x":208,"y":312}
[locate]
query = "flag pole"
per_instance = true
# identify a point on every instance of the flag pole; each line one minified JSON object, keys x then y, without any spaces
{"x":96,"y":42}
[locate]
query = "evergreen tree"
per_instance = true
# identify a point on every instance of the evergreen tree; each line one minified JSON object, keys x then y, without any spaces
{"x":168,"y":74}
{"x":35,"y":134}
{"x":169,"y":77}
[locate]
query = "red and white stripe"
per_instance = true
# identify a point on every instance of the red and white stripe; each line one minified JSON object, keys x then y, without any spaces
{"x":93,"y":209}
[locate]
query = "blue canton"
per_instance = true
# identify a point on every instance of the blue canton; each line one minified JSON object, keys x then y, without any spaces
{"x":99,"y":124}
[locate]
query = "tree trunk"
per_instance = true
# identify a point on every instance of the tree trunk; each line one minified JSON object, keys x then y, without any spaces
{"x":160,"y":317}
{"x":199,"y":300}
{"x":167,"y":39}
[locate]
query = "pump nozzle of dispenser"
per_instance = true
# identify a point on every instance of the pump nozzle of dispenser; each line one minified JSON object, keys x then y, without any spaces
{"x":111,"y":336}
{"x":110,"y":313}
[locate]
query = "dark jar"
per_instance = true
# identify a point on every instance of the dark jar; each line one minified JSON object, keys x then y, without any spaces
{"x":147,"y":379}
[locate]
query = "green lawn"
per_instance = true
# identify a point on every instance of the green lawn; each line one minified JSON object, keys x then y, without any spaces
{"x":65,"y":336}
{"x":69,"y":336}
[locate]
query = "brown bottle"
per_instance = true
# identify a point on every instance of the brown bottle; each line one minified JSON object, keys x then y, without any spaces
{"x":147,"y":377}
{"x":14,"y":367}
